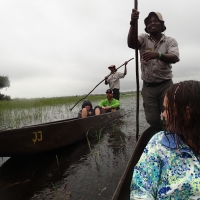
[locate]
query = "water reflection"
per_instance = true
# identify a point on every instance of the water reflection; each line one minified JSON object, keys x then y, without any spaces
{"x":116,"y":139}
{"x":82,"y":171}
{"x":22,"y":177}
{"x":3,"y":160}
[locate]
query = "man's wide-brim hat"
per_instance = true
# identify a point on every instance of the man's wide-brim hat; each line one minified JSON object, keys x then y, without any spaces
{"x":111,"y":66}
{"x":159,"y":16}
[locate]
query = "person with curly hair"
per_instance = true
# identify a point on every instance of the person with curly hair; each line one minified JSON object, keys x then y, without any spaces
{"x":169,"y":167}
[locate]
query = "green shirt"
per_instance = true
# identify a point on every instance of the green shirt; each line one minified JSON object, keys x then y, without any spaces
{"x":114,"y":103}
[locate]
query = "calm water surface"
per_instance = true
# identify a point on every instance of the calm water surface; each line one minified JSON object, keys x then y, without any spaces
{"x":82,"y":171}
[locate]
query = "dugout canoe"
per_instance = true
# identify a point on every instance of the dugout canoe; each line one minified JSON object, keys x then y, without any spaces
{"x":53,"y":135}
{"x":122,"y":191}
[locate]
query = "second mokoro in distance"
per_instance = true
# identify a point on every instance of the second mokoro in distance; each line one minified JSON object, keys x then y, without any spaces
{"x":53,"y":135}
{"x":122,"y":192}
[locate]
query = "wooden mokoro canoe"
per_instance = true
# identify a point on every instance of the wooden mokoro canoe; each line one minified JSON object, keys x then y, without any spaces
{"x":50,"y":136}
{"x":122,"y":192}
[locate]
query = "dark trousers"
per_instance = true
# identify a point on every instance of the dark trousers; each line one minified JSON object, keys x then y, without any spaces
{"x":153,"y":95}
{"x":116,"y":93}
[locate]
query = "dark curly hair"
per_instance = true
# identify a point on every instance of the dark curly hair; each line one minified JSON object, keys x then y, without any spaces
{"x":183,"y":112}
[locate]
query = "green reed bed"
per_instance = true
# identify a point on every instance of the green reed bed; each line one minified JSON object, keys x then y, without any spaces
{"x":23,"y":112}
{"x":38,"y":102}
{"x":30,"y":103}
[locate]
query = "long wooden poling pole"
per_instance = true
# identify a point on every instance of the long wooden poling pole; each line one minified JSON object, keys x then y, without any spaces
{"x":137,"y":73}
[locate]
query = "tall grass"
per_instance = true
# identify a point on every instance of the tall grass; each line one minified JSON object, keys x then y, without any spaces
{"x":23,"y":112}
{"x":54,"y":101}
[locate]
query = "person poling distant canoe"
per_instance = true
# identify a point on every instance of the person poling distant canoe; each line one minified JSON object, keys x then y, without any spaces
{"x":157,"y":53}
{"x":98,"y":85}
{"x":113,"y":80}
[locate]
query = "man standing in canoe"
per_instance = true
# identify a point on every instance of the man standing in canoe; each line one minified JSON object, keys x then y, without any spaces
{"x":113,"y":80}
{"x":157,"y":53}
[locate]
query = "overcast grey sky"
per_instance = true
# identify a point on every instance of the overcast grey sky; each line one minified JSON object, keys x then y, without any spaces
{"x":52,"y":48}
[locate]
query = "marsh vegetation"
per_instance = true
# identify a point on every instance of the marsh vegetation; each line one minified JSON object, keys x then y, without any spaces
{"x":23,"y":112}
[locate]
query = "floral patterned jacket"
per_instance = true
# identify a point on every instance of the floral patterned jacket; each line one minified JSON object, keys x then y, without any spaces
{"x":166,"y":170}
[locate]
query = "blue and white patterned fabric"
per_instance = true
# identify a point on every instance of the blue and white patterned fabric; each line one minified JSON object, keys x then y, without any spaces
{"x":166,"y":171}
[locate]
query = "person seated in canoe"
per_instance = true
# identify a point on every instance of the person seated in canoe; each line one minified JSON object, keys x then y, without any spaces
{"x":169,"y":167}
{"x":86,"y":110}
{"x":107,"y":105}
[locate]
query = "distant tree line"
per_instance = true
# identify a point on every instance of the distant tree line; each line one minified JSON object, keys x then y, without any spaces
{"x":4,"y":83}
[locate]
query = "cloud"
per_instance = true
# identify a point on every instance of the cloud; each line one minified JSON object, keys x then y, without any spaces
{"x":61,"y":48}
